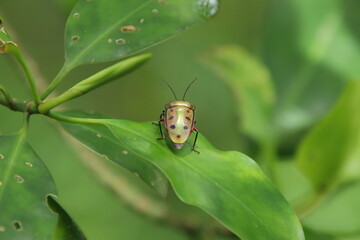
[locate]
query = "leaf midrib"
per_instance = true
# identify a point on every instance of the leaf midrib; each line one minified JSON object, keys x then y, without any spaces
{"x":13,"y":153}
{"x":199,"y":172}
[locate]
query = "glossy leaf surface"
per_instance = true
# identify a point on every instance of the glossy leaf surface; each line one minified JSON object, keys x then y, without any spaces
{"x":99,"y":139}
{"x":331,"y":150}
{"x":127,"y":27}
{"x":227,"y":185}
{"x":25,"y":183}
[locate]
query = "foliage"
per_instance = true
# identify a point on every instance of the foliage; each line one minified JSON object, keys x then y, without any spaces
{"x":295,"y":97}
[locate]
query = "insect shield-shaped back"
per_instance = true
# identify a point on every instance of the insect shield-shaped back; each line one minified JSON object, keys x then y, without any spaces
{"x":179,"y":120}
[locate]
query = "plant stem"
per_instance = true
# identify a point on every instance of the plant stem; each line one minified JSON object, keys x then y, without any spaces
{"x":76,"y":120}
{"x":29,"y":77}
{"x":57,"y":80}
{"x":308,"y":208}
{"x":98,"y":79}
{"x":19,"y":106}
{"x":7,"y":98}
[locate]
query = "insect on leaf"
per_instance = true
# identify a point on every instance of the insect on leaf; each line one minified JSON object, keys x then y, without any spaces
{"x":227,"y":185}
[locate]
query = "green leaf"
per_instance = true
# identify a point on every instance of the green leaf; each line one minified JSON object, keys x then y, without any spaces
{"x":66,"y":228}
{"x":341,"y":204}
{"x":324,"y":36}
{"x":250,"y":84}
{"x":227,"y":185}
{"x":308,"y":48}
{"x":311,"y":235}
{"x":25,"y":184}
{"x":98,"y":31}
{"x":331,"y":150}
{"x":99,"y":139}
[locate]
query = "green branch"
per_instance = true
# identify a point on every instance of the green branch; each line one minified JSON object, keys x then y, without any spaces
{"x":76,"y":120}
{"x":8,"y":46}
{"x":57,"y":80}
{"x":29,"y":77}
{"x":6,"y":95}
{"x":98,"y":79}
{"x":19,"y":106}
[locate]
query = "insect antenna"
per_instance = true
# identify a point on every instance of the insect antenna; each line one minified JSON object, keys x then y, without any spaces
{"x":172,"y":90}
{"x":189,"y":87}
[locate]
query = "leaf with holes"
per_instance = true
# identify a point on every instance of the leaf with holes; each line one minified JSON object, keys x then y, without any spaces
{"x":99,"y":139}
{"x":25,"y":183}
{"x":127,"y":27}
{"x":227,"y":185}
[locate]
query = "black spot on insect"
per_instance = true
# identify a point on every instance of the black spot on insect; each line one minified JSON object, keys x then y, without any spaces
{"x":178,"y":136}
{"x":188,"y":111}
{"x":171,"y":117}
{"x":188,"y":118}
{"x":172,"y":126}
{"x":171,"y":110}
{"x":186,"y":127}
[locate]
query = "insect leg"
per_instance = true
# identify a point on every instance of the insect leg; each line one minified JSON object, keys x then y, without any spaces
{"x":159,"y":123}
{"x":193,"y":146}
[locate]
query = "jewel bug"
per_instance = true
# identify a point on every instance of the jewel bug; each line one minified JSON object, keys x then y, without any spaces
{"x":179,"y":121}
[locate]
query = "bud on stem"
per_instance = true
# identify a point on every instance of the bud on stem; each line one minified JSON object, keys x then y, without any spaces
{"x":95,"y":81}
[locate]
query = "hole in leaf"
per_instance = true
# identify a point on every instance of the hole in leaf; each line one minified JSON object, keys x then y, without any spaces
{"x":129,"y":28}
{"x":125,"y":152}
{"x":17,"y":226}
{"x":28,"y":164}
{"x":75,"y":38}
{"x":18,"y":179}
{"x":120,"y":41}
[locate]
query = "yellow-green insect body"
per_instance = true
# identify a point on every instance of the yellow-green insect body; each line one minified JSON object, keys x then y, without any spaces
{"x":179,"y":120}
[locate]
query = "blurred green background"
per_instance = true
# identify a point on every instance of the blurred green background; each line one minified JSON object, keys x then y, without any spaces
{"x":277,"y":32}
